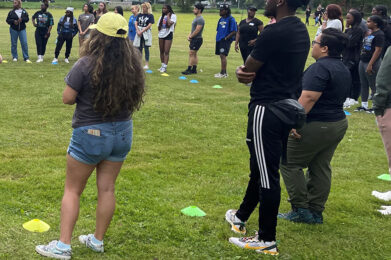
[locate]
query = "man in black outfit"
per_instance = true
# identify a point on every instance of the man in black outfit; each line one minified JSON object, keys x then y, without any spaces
{"x":275,"y":67}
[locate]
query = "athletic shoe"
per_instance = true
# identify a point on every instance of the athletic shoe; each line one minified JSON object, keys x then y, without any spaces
{"x":55,"y":60}
{"x":87,"y":241}
{"x":252,"y":243}
{"x":237,"y":225}
{"x":220,"y":76}
{"x":146,"y":67}
{"x":28,"y":61}
{"x":360,"y":109}
{"x":385,"y":210}
{"x":15,"y":59}
{"x":298,"y":215}
{"x":370,"y":111}
{"x":163,"y":70}
{"x":51,"y":250}
{"x":189,"y":72}
{"x":347,"y":103}
{"x":386,"y":196}
{"x":66,"y":60}
{"x":318,"y":217}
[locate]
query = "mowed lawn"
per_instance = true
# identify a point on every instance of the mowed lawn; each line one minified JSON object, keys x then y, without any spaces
{"x":188,"y":149}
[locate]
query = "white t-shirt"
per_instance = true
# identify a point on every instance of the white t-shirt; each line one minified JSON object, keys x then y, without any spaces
{"x":19,"y":12}
{"x":335,"y":23}
{"x":165,"y":31}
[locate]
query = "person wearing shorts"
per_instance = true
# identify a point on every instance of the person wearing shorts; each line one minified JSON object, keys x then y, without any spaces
{"x":102,"y":134}
{"x":226,"y":32}
{"x":195,"y":39}
{"x":166,"y":27}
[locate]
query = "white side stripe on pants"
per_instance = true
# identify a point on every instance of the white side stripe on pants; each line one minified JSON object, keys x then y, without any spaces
{"x":258,"y":145}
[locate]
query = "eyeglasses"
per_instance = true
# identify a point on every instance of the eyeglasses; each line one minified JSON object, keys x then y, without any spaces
{"x":315,"y":42}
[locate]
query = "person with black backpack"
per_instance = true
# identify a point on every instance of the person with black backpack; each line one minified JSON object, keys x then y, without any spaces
{"x":226,"y":32}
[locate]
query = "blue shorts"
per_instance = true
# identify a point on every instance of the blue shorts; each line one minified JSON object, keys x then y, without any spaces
{"x":108,"y":141}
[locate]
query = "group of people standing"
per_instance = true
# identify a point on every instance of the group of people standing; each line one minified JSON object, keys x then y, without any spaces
{"x":67,"y":28}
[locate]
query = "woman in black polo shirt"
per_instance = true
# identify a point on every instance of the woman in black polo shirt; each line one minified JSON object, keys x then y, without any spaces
{"x":247,"y":33}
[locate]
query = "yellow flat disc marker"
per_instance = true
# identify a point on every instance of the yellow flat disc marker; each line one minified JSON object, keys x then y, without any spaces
{"x":36,"y":225}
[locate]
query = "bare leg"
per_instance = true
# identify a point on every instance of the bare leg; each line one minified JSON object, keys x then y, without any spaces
{"x":193,"y":59}
{"x":167,"y":48}
{"x":223,"y":62}
{"x":76,"y":179}
{"x":161,"y":48}
{"x":106,"y":174}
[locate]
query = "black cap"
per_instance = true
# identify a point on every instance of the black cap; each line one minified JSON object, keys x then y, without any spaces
{"x":251,"y":7}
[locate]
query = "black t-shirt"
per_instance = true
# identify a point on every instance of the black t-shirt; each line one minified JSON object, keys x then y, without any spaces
{"x":283,"y":48}
{"x":144,"y":20}
{"x":331,"y":77}
{"x":248,"y":31}
{"x":307,"y":12}
{"x":376,"y":39}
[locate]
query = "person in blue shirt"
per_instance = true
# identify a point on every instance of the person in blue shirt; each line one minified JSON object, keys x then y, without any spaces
{"x":132,"y":29}
{"x":66,"y":30}
{"x":226,"y":31}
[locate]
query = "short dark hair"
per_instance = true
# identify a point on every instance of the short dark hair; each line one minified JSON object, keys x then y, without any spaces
{"x":377,"y":20}
{"x":382,"y":9}
{"x":335,"y":40}
{"x":199,"y":6}
{"x":294,"y":4}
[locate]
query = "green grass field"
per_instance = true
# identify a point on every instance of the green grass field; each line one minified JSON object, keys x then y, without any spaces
{"x":188,"y":149}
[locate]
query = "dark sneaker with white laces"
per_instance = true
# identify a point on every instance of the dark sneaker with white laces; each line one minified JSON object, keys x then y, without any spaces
{"x":51,"y":250}
{"x":87,"y":241}
{"x":298,"y":215}
{"x":253,"y":243}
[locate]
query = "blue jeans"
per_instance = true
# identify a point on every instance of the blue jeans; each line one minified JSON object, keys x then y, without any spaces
{"x":23,"y":42}
{"x":107,"y":141}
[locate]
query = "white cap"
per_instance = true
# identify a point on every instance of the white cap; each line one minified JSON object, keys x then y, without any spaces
{"x":70,"y":9}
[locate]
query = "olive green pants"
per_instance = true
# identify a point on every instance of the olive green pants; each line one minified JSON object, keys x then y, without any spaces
{"x":314,"y":151}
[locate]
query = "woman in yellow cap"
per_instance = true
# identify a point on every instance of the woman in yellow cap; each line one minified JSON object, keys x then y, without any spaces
{"x":107,"y":85}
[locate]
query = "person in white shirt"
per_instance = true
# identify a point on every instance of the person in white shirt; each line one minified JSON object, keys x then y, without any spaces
{"x":332,"y":18}
{"x":166,"y":26}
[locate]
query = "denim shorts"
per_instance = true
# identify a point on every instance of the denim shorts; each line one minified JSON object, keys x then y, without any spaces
{"x":107,"y":141}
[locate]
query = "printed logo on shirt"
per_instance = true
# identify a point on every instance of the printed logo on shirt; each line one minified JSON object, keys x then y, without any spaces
{"x":367,"y":46}
{"x":223,"y":23}
{"x":251,"y":24}
{"x":143,"y":20}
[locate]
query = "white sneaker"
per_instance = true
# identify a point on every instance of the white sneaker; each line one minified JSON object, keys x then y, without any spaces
{"x":220,"y":76}
{"x":386,"y":196}
{"x":51,"y":250}
{"x":252,"y":243}
{"x":146,"y":67}
{"x":237,"y":225}
{"x":163,"y":70}
{"x":66,"y":60}
{"x":87,"y":241}
{"x":385,"y":210}
{"x":347,"y":103}
{"x":15,"y":59}
{"x":55,"y":60}
{"x":40,"y":59}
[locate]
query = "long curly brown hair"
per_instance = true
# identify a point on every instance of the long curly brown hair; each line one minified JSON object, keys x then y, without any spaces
{"x":117,"y":76}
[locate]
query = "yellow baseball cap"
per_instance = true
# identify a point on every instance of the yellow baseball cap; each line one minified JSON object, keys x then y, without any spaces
{"x":112,"y":24}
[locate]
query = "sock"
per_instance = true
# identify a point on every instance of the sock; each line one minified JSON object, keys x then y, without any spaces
{"x":223,"y":72}
{"x":194,"y":68}
{"x":188,"y":67}
{"x":364,"y":104}
{"x":96,"y":241}
{"x":63,"y":246}
{"x":164,"y":65}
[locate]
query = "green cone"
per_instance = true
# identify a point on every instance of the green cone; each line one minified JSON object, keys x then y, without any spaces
{"x":384,"y":177}
{"x":217,"y":86}
{"x":193,"y":211}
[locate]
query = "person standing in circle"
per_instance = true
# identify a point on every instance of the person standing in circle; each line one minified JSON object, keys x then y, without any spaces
{"x":275,"y":68}
{"x":166,"y":27}
{"x":307,"y":15}
{"x":107,"y":85}
{"x":66,"y":30}
{"x":43,"y":20}
{"x":84,"y":21}
{"x":17,"y":19}
{"x":226,"y":31}
{"x":102,"y":9}
{"x":248,"y":33}
{"x":132,"y":19}
{"x":143,"y":24}
{"x":195,"y":39}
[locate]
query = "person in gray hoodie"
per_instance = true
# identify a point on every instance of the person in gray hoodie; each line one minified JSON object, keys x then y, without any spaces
{"x":382,"y":108}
